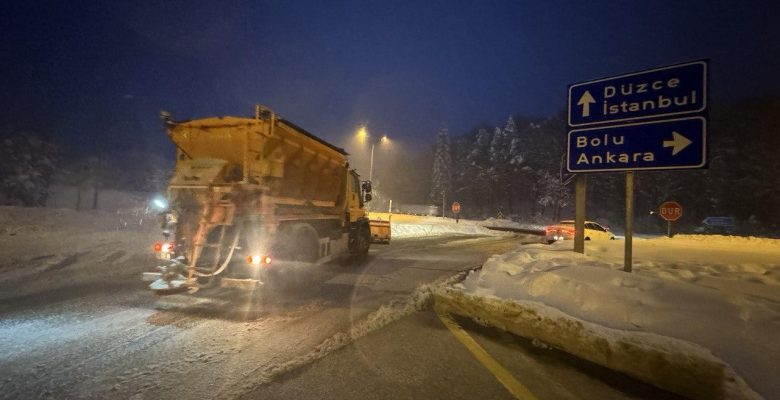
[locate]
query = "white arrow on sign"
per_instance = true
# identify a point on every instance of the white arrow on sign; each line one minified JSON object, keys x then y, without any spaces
{"x":585,"y":101}
{"x":677,"y":143}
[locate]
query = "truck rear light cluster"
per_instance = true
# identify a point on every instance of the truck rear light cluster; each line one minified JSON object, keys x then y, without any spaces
{"x":258,"y":260}
{"x":164,"y":247}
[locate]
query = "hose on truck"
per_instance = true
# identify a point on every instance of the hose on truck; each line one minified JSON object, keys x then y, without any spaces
{"x":227,"y":259}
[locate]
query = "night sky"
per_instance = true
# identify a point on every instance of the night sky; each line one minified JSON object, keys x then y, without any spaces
{"x":97,"y":75}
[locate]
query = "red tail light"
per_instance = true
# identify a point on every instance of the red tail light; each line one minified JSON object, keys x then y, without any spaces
{"x":161,"y":247}
{"x":258,"y":260}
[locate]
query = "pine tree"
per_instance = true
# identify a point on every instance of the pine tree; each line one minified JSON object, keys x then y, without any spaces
{"x":478,"y":171}
{"x":442,"y":169}
{"x":27,"y":166}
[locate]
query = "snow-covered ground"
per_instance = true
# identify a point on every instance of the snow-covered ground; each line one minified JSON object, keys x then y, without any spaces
{"x":699,"y":315}
{"x":77,"y":321}
{"x":509,"y":224}
{"x":45,"y":248}
{"x":409,"y":226}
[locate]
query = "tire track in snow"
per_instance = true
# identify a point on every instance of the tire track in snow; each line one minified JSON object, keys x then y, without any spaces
{"x":56,"y":373}
{"x":420,"y":299}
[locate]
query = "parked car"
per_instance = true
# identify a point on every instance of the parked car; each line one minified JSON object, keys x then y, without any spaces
{"x":564,"y":230}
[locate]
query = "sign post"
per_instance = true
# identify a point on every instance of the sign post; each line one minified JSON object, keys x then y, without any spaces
{"x":629,"y":248}
{"x":456,"y":211}
{"x":579,"y":213}
{"x":670,"y":211}
{"x":648,"y":120}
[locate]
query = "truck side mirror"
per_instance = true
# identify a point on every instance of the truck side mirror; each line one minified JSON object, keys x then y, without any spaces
{"x":368,"y":197}
{"x":367,"y":186}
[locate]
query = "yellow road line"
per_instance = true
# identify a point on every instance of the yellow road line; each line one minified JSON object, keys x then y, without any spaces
{"x":505,"y":377}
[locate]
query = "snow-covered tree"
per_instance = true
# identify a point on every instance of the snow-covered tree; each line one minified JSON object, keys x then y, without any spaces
{"x":553,"y":192}
{"x":26,"y":168}
{"x":441,"y":183}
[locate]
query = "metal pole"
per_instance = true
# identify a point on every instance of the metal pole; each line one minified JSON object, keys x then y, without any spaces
{"x":579,"y":214}
{"x":629,"y":220}
{"x":371,"y":165}
{"x":443,"y":202}
{"x":669,"y":228}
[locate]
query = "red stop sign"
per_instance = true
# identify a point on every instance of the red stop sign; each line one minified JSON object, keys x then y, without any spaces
{"x":456,"y":207}
{"x":670,"y":211}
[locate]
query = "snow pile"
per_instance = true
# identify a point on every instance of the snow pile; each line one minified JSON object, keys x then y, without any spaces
{"x":722,"y":240}
{"x":405,"y":226}
{"x":425,"y":230}
{"x":509,"y":224}
{"x":693,"y":321}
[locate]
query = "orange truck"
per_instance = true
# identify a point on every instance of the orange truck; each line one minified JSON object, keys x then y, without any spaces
{"x":252,"y":193}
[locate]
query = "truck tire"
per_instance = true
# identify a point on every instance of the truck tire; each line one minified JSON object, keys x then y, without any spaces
{"x":362,"y":243}
{"x":298,"y":242}
{"x":297,"y":249}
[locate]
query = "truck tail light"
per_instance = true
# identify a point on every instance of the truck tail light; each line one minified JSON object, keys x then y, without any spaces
{"x":166,"y":247}
{"x":259,"y":260}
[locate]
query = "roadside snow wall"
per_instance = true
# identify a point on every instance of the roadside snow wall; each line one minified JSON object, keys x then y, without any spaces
{"x":698,"y":321}
{"x":670,"y":364}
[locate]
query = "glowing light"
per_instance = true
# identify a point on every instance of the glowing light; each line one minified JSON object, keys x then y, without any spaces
{"x":362,"y":133}
{"x":160,"y":247}
{"x":159,"y":203}
{"x":258,"y":260}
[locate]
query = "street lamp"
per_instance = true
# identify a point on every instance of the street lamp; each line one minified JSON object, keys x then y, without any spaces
{"x":383,"y":140}
{"x":363,"y":135}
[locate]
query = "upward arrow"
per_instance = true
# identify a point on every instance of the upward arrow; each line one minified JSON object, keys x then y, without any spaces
{"x":585,"y":101}
{"x":677,"y":143}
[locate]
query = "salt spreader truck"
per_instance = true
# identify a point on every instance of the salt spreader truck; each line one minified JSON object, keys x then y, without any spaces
{"x":250,"y":194}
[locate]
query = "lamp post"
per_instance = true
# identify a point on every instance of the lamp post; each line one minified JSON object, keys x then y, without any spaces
{"x":382,"y":140}
{"x":363,"y":135}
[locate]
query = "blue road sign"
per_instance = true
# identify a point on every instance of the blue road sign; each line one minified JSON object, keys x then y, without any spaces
{"x":719,"y":221}
{"x":672,"y":144}
{"x":675,"y":90}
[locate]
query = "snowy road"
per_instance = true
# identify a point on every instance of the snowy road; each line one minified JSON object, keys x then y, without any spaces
{"x":94,"y":340}
{"x":88,"y":339}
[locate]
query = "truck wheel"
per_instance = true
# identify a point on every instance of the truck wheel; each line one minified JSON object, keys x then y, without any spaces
{"x":297,"y":243}
{"x":362,"y":243}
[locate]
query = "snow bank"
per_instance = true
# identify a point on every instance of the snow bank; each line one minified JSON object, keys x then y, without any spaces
{"x":722,"y":240}
{"x":439,"y":229}
{"x":409,"y":226}
{"x":696,"y":322}
{"x":509,"y":224}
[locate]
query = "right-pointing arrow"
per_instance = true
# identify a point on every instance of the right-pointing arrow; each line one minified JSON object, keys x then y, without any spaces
{"x":677,"y":143}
